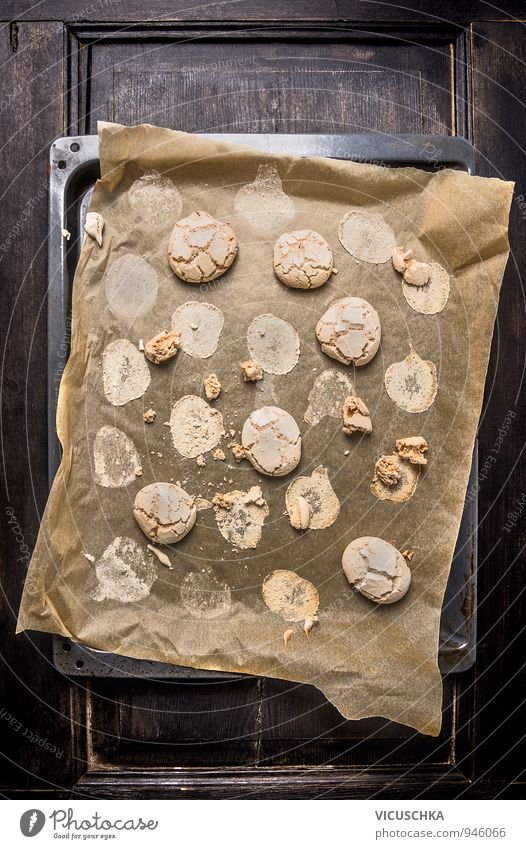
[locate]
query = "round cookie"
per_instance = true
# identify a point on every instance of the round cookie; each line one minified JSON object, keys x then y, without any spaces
{"x":350,"y":331}
{"x":272,"y":441}
{"x":164,"y":512}
{"x":201,"y":248}
{"x":376,"y":569}
{"x":302,"y":259}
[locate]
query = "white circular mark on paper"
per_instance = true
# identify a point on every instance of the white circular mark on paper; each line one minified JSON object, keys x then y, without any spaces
{"x":433,"y":296}
{"x":115,"y":458}
{"x":263,"y":204}
{"x":412,"y":383}
{"x":272,"y":441}
{"x":156,"y":199}
{"x":366,"y":236}
{"x":317,"y":491}
{"x":204,"y":595}
{"x":196,"y":426}
{"x":131,"y":285}
{"x":200,"y":326}
{"x":240,"y":516}
{"x":349,"y":331}
{"x":123,"y":572}
{"x":273,"y":343}
{"x":329,"y":391}
{"x":290,"y":596}
{"x":124,"y":372}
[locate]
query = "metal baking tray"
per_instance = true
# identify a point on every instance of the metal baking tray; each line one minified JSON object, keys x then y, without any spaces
{"x":74,"y":169}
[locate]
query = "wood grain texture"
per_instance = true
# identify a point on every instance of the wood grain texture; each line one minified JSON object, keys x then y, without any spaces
{"x":359,"y":66}
{"x":37,"y":707}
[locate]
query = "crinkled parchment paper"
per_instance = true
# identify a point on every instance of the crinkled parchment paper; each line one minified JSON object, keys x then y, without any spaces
{"x":208,"y":611}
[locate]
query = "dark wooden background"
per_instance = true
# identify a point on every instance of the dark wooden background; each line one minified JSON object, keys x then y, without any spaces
{"x":332,"y":66}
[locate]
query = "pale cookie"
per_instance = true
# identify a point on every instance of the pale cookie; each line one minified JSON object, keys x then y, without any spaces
{"x":201,"y":248}
{"x":321,"y":500}
{"x":350,"y":331}
{"x":412,"y":383}
{"x":274,"y":343}
{"x":125,"y":375}
{"x":212,"y":386}
{"x":415,"y":273}
{"x":252,"y":371}
{"x":290,"y":596}
{"x":302,"y":259}
{"x":94,"y":226}
{"x":196,"y":426}
{"x":164,"y":512}
{"x":356,"y":416}
{"x":240,"y":516}
{"x":395,"y":479}
{"x":366,"y":236}
{"x":162,"y":347}
{"x":412,"y":448}
{"x":376,"y":569}
{"x":432,"y":297}
{"x":272,"y":441}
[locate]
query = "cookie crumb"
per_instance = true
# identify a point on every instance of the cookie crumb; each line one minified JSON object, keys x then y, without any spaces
{"x":387,"y":471}
{"x":161,"y":556}
{"x":163,"y":347}
{"x":200,"y":460}
{"x":252,"y":371}
{"x":412,"y":448}
{"x":356,"y":416}
{"x":149,"y":416}
{"x":218,"y":454}
{"x":212,"y":386}
{"x":287,"y":635}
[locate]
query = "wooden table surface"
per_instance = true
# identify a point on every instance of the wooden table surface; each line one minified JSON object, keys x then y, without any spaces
{"x":254,"y":66}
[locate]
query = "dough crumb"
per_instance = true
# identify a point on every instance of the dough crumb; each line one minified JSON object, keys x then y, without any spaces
{"x":141,"y":345}
{"x":212,"y":386}
{"x":200,"y":460}
{"x":252,"y":371}
{"x":308,"y":625}
{"x":402,"y":476}
{"x":238,"y":451}
{"x":161,"y":556}
{"x":408,"y":554}
{"x":287,"y":635}
{"x":223,"y":500}
{"x":218,"y":454}
{"x":88,"y":557}
{"x":412,"y":448}
{"x":149,"y":416}
{"x":400,"y":258}
{"x":163,"y":347}
{"x":94,"y":226}
{"x":387,"y":471}
{"x":299,"y":513}
{"x":138,"y":471}
{"x":356,"y":416}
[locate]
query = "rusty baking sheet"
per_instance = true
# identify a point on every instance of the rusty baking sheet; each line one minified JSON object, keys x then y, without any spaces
{"x":74,"y":168}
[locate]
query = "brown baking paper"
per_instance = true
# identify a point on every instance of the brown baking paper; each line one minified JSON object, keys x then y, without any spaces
{"x":367,"y":659}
